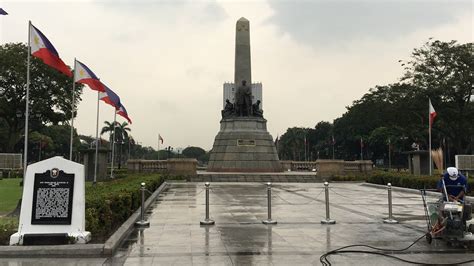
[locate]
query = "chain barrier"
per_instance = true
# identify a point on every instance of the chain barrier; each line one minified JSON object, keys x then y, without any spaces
{"x":303,"y":203}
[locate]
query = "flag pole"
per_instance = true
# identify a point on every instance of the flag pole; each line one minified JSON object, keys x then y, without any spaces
{"x":305,"y":148}
{"x":429,"y":134}
{"x":113,"y":145}
{"x":333,"y":144}
{"x":27,"y":108}
{"x":72,"y":108}
{"x":389,"y":154}
{"x":333,"y":155}
{"x":158,"y":146}
{"x":361,"y":149}
{"x":96,"y":140}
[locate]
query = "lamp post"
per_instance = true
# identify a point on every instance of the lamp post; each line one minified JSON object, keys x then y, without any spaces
{"x":120,"y":155}
{"x":129,"y":140}
{"x":169,"y":149}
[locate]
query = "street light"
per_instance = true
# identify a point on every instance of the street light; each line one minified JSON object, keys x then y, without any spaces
{"x":120,"y":156}
{"x":169,"y":149}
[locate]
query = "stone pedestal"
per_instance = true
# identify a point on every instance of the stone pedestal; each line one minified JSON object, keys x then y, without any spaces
{"x":89,"y":163}
{"x":243,"y":144}
{"x":418,"y":162}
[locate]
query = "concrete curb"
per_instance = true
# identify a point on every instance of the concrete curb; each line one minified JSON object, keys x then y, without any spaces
{"x":87,"y":250}
{"x":409,"y":190}
{"x":111,"y":245}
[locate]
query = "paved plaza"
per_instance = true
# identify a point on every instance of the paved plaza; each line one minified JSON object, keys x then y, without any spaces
{"x":175,"y":236}
{"x":239,"y":238}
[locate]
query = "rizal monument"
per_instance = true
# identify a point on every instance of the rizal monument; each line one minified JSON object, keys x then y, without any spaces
{"x":243,"y":143}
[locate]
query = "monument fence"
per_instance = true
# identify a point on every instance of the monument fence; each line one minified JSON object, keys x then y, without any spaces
{"x":330,"y":167}
{"x":10,"y":161}
{"x":171,"y":166}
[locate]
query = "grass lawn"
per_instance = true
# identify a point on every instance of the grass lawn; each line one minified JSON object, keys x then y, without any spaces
{"x":10,"y":193}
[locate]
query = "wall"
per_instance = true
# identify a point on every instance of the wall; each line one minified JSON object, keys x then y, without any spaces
{"x":172,"y":166}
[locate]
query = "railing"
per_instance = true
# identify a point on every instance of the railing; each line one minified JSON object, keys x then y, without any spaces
{"x":330,"y":167}
{"x":172,"y":166}
{"x":10,"y":161}
{"x":152,"y":165}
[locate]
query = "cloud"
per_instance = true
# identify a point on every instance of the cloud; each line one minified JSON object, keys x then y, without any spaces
{"x":168,"y":60}
{"x":336,"y":22}
{"x":167,"y":12}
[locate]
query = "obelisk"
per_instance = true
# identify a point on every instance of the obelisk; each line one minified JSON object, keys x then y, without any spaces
{"x":243,"y":144}
{"x":243,"y":70}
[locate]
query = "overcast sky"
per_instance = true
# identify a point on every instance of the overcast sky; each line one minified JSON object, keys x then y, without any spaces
{"x":167,"y":60}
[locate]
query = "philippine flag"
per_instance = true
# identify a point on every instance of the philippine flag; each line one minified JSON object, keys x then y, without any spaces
{"x":42,"y":48}
{"x":3,"y":12}
{"x":84,"y":75}
{"x":110,"y":97}
{"x":123,"y":112}
{"x":432,"y":113}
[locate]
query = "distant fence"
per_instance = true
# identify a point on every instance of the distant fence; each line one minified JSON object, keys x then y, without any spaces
{"x":171,"y":166}
{"x":330,"y":167}
{"x":10,"y":161}
{"x":465,"y":163}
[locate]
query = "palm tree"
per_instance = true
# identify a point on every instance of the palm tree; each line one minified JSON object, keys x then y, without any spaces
{"x":109,"y":127}
{"x":121,"y":131}
{"x":121,"y":135}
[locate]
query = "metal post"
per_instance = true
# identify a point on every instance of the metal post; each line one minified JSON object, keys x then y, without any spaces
{"x":27,"y":104}
{"x":328,"y":217}
{"x":269,"y":205}
{"x":113,"y":146}
{"x":96,"y":140}
{"x":207,"y":221}
{"x":142,"y":222}
{"x":72,"y":109}
{"x":390,"y":219}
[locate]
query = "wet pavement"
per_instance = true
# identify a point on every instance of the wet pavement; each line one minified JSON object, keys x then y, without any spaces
{"x":175,"y":236}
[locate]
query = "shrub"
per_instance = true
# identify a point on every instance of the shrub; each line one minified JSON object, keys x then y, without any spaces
{"x":109,"y":204}
{"x":408,"y":181}
{"x":119,"y":173}
{"x":8,"y":226}
{"x":348,"y":178}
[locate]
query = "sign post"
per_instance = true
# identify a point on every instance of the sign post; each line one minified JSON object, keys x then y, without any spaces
{"x":53,"y":204}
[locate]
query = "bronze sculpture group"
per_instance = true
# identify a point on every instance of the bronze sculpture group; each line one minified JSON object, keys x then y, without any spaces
{"x":243,"y":104}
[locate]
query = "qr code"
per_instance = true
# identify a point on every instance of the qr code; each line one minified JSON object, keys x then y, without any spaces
{"x":52,"y":203}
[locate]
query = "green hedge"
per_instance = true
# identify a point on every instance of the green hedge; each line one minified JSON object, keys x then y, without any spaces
{"x":110,"y":203}
{"x":8,"y":226}
{"x":407,"y":180}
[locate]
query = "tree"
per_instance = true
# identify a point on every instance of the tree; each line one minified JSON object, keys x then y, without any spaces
{"x":121,"y":132}
{"x":60,"y":135}
{"x":291,"y":144}
{"x":108,"y":128}
{"x":121,"y":135}
{"x":196,"y":153}
{"x":320,"y":139}
{"x":50,"y":94}
{"x":443,"y":71}
{"x":193,"y":152}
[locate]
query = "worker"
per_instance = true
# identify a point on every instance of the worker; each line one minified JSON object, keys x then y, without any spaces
{"x":456,"y":184}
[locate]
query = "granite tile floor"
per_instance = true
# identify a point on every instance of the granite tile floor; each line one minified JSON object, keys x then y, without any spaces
{"x":175,"y":236}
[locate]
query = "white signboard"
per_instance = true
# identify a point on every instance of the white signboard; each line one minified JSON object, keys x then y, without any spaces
{"x":53,"y":202}
{"x":465,"y":162}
